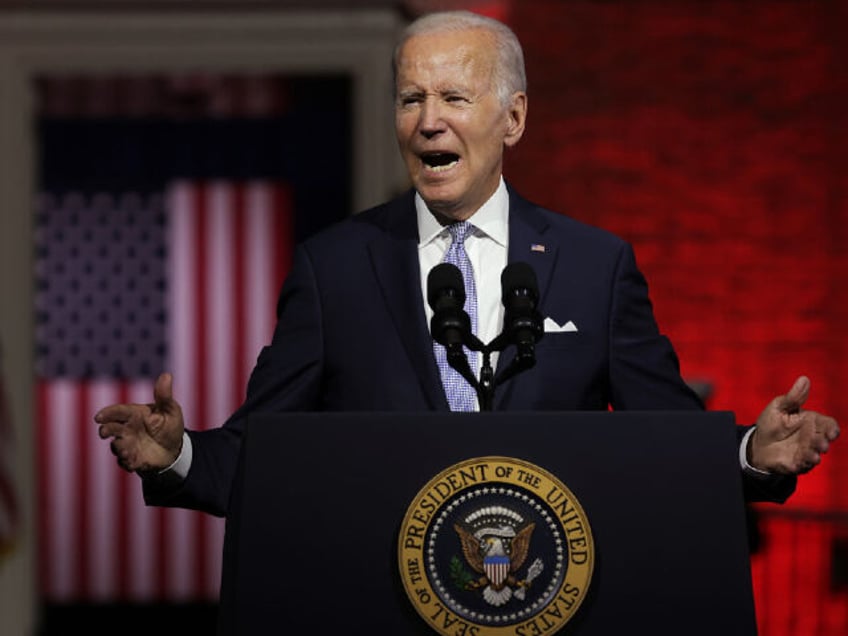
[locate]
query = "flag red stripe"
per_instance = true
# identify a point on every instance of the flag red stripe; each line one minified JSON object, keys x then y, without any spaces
{"x":123,"y":513}
{"x":143,"y":557}
{"x":284,"y":235}
{"x":241,"y":248}
{"x":83,"y":460}
{"x":201,"y":358}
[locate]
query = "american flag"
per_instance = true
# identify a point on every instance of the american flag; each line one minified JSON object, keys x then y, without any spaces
{"x":9,"y":511}
{"x":130,"y":285}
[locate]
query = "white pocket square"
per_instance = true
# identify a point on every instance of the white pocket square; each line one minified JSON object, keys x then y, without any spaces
{"x":552,"y":327}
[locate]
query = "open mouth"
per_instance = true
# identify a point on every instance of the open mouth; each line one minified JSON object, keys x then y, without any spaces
{"x":440,"y":161}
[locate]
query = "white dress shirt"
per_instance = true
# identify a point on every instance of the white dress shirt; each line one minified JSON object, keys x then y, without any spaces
{"x":487,"y":249}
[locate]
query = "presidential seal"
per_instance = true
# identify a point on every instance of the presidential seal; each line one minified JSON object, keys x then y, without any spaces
{"x":494,"y":546}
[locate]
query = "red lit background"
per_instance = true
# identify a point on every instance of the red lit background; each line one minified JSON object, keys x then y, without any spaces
{"x":713,"y":136}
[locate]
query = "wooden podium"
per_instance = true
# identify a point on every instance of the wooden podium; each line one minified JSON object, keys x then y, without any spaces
{"x":312,"y":537}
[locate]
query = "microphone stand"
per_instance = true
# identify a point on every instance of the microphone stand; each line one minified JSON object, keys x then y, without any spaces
{"x":485,"y":386}
{"x":453,"y":328}
{"x":459,"y":361}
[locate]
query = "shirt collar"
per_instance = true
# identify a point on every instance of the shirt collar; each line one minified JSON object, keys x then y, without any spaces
{"x":491,"y":219}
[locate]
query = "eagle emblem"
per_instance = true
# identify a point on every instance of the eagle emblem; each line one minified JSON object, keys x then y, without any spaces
{"x":495,"y":542}
{"x":484,"y":549}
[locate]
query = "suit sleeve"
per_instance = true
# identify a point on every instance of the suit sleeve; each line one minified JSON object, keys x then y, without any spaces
{"x":645,"y":370}
{"x":286,"y":377}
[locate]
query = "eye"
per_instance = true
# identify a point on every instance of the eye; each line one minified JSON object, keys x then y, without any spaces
{"x":408,"y":100}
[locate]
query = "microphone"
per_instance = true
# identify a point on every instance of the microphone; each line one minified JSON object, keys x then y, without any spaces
{"x":450,"y":325}
{"x":523,"y":324}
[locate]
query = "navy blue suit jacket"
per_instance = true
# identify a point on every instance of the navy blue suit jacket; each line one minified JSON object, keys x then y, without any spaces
{"x":352,"y":335}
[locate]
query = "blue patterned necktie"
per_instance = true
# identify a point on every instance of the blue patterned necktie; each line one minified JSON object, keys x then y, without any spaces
{"x":461,"y":395}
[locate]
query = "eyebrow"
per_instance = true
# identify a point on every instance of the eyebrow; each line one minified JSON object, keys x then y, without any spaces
{"x":453,"y":90}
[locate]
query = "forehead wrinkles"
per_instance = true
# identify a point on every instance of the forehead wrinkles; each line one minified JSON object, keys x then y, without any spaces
{"x":444,"y":68}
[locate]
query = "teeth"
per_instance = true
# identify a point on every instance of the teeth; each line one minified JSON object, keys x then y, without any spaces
{"x":441,"y":168}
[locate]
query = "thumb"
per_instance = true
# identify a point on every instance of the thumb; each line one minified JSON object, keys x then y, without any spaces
{"x":163,"y":395}
{"x":795,"y":398}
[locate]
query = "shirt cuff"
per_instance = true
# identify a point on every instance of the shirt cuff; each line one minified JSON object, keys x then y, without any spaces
{"x":181,"y":464}
{"x":743,"y":456}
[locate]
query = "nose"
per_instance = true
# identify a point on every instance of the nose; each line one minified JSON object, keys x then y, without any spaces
{"x":431,"y":121}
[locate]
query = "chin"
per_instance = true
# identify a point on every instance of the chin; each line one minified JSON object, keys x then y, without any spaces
{"x":438,"y":202}
{"x":441,"y":194}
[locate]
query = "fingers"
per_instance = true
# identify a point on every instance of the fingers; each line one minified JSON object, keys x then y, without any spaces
{"x":127,"y":445}
{"x":797,"y":395}
{"x":811,"y":456}
{"x":818,"y":446}
{"x":808,"y":464}
{"x":113,"y":420}
{"x":115,"y":413}
{"x":119,"y":425}
{"x":124,"y":455}
{"x":163,"y":395}
{"x":828,"y":427}
{"x":110,"y":429}
{"x":122,"y":414}
{"x":824,"y":430}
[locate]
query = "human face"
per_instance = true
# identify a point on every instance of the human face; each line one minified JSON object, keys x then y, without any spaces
{"x":450,"y":125}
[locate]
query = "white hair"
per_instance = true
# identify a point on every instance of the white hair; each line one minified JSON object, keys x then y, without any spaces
{"x":509,"y":75}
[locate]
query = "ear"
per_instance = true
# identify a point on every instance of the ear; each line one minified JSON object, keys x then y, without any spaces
{"x":516,"y":118}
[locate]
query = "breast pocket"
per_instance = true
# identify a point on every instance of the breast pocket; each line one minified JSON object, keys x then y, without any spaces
{"x":560,"y":340}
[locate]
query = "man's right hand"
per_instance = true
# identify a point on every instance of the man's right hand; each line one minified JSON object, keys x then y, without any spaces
{"x":145,"y":437}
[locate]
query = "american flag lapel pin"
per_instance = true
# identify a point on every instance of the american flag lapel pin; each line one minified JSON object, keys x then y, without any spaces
{"x":537,"y":247}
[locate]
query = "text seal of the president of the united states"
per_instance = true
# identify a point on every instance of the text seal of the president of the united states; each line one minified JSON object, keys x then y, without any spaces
{"x":493,"y":546}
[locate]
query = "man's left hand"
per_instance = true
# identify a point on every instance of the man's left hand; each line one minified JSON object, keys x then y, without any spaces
{"x":788,"y":439}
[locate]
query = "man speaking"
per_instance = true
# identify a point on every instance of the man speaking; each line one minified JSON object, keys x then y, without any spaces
{"x":354,"y":321}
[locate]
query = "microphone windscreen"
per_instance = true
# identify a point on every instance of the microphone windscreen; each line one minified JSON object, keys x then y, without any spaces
{"x":519,"y":276}
{"x":445,"y":279}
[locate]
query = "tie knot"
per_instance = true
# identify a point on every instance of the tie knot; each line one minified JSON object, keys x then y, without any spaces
{"x":459,"y":231}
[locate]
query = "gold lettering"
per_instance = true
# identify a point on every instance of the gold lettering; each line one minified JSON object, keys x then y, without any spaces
{"x":413,"y":568}
{"x":531,"y":479}
{"x":413,"y":533}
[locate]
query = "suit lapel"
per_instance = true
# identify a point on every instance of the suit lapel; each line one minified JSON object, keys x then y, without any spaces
{"x":394,"y":255}
{"x":531,"y":243}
